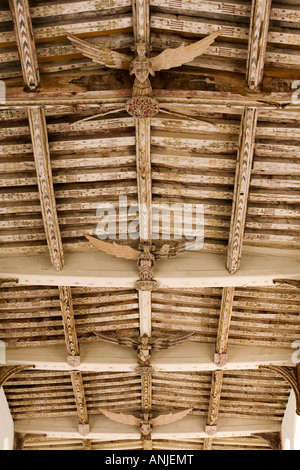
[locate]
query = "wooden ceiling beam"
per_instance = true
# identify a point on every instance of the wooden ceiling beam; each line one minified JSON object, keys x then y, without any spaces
{"x":141,"y":27}
{"x":39,"y":137}
{"x":66,"y":305}
{"x":258,"y":39}
{"x":191,"y":270}
{"x":141,"y":20}
{"x":80,"y":399}
{"x":224,"y":325}
{"x":69,"y":96}
{"x":20,"y":12}
{"x":192,"y":356}
{"x":213,"y":411}
{"x":191,"y":427}
{"x":241,"y":188}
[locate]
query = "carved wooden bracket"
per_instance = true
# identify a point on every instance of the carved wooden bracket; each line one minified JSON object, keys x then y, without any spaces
{"x":144,"y":371}
{"x":147,"y":442}
{"x":9,"y":281}
{"x":211,"y":430}
{"x":289,"y":282}
{"x":87,"y":444}
{"x":272,"y":438}
{"x":149,"y":286}
{"x":292,"y":376}
{"x":221,"y":359}
{"x":9,"y":371}
{"x":21,"y":439}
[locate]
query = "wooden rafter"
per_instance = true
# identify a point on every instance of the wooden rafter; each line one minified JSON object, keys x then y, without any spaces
{"x":241,"y":188}
{"x":258,"y":39}
{"x":224,"y":325}
{"x":141,"y":20}
{"x":213,"y":412}
{"x":20,"y":12}
{"x":78,"y":388}
{"x":66,"y":305}
{"x":39,"y":136}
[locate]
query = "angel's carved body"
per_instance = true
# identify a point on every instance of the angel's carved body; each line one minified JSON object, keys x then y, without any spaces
{"x":141,"y":67}
{"x":146,"y":261}
{"x":145,"y":345}
{"x":146,"y":423}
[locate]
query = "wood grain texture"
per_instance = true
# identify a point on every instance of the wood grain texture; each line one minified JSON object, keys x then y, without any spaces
{"x":258,"y":39}
{"x":241,"y":188}
{"x":20,"y":12}
{"x":39,"y":137}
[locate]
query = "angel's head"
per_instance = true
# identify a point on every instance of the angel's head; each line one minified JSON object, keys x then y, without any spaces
{"x":142,"y":49}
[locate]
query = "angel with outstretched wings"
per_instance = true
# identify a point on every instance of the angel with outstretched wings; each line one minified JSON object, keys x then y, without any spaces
{"x":142,"y":66}
{"x":168,"y":250}
{"x":145,"y":345}
{"x":146,"y":424}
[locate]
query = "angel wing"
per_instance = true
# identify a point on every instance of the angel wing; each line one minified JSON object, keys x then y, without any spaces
{"x":173,"y":249}
{"x":101,"y":55}
{"x":171,"y":418}
{"x":182,"y":55}
{"x":120,"y":340}
{"x":114,"y":249}
{"x":121,"y":418}
{"x":166,"y":343}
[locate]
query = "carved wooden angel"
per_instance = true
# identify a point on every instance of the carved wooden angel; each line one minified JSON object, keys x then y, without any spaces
{"x":145,"y":424}
{"x":145,"y":345}
{"x":142,"y":66}
{"x":168,"y":250}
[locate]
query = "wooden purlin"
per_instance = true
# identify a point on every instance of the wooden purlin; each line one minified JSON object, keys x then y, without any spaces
{"x":258,"y":39}
{"x":82,"y":411}
{"x":20,"y":12}
{"x":241,"y":188}
{"x":66,"y":305}
{"x":39,"y":136}
{"x":141,"y":20}
{"x":37,"y":122}
{"x":224,"y":325}
{"x":213,"y":412}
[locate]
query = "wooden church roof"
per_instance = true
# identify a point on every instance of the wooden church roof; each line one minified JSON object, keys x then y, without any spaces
{"x":227,"y":137}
